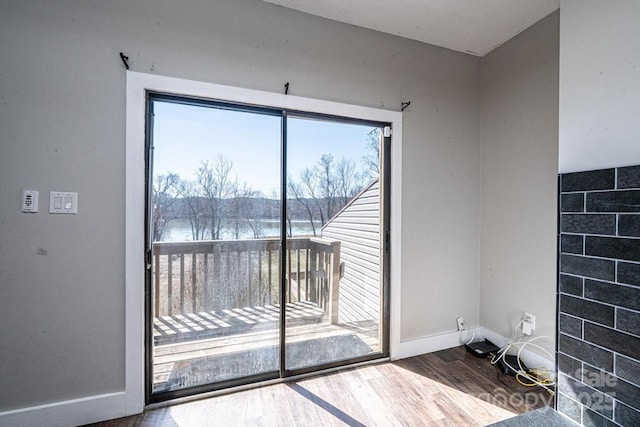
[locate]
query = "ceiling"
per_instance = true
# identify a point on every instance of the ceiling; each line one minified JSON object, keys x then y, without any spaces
{"x":471,"y":26}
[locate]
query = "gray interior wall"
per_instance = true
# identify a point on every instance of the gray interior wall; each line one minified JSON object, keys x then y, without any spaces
{"x":519,"y":181}
{"x":62,"y":127}
{"x":599,"y":84}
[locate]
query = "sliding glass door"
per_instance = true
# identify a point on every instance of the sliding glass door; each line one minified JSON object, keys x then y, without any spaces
{"x":334,"y":206}
{"x":265,"y":254}
{"x":215,"y":228}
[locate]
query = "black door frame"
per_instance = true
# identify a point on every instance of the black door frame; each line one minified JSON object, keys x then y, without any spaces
{"x":282,"y":373}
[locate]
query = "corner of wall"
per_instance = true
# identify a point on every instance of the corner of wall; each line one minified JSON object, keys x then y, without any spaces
{"x":519,"y":139}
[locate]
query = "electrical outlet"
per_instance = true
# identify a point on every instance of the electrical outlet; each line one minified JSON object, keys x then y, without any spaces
{"x":529,"y":323}
{"x":461,"y":325}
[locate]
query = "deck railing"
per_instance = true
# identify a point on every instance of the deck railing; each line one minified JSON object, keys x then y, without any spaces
{"x":210,"y":275}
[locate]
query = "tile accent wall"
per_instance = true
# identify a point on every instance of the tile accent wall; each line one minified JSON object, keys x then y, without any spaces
{"x":599,"y":297}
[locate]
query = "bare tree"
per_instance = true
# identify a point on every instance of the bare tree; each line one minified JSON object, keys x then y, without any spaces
{"x":325,"y":175}
{"x":164,"y":192}
{"x":299,"y":193}
{"x":323,"y":190}
{"x":194,"y":205}
{"x":309,"y":179}
{"x":255,"y":209}
{"x":348,"y":181}
{"x":372,"y":159}
{"x":244,"y":210}
{"x":216,"y":185}
{"x":215,"y":203}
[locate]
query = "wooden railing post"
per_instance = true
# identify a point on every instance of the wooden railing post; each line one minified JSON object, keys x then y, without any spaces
{"x":213,"y":290}
{"x":333,"y":276}
{"x":206,"y":282}
{"x":312,"y":269}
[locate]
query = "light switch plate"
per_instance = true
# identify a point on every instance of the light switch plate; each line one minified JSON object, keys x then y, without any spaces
{"x":63,"y":202}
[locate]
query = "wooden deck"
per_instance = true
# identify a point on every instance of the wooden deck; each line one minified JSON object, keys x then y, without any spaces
{"x":192,"y":326}
{"x":195,"y":349}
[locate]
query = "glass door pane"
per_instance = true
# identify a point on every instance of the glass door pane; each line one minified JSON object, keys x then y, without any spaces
{"x":215,"y":229}
{"x":333,"y":259}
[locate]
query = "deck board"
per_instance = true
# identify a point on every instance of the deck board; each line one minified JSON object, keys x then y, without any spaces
{"x":191,"y":326}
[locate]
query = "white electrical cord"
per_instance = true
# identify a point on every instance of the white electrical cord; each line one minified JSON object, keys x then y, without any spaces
{"x":520,"y":345}
{"x":465,"y":327}
{"x":515,"y":331}
{"x":473,"y":335}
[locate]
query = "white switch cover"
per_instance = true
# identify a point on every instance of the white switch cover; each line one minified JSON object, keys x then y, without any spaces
{"x":63,"y":202}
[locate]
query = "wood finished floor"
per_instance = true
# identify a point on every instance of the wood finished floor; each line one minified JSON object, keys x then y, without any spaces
{"x":449,"y":387}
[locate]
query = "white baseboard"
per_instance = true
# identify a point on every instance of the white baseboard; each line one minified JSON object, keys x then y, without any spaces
{"x":453,"y":339}
{"x":432,"y":343}
{"x":70,"y":412}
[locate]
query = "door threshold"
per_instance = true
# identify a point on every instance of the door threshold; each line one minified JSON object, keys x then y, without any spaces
{"x":265,"y":383}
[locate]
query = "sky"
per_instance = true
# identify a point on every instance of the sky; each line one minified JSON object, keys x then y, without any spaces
{"x":186,"y":135}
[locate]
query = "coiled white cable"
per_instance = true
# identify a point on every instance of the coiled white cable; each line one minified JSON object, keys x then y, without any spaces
{"x":546,"y":382}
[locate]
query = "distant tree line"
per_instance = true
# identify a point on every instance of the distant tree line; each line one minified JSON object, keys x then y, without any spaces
{"x":217,"y":204}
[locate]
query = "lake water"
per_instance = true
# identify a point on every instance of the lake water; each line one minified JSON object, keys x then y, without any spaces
{"x":180,"y":230}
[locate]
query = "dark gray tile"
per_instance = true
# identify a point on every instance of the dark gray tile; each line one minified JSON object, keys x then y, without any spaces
{"x":588,"y":310}
{"x":602,"y":179}
{"x":593,"y":419}
{"x":629,"y":225}
{"x":587,"y":267}
{"x":613,"y":386}
{"x":597,"y":378}
{"x":614,"y":201}
{"x":570,"y":366}
{"x":571,"y":243}
{"x":571,"y":284}
{"x":569,"y":407}
{"x":586,"y":395}
{"x":627,"y":249}
{"x":588,"y":224}
{"x":570,"y":325}
{"x":624,"y":296}
{"x":591,"y":354}
{"x":569,"y":386}
{"x":627,"y":393}
{"x":629,"y":177}
{"x":572,"y":202}
{"x":626,"y":416}
{"x":619,"y":342}
{"x":629,"y":273}
{"x":627,"y":369}
{"x":628,"y":321}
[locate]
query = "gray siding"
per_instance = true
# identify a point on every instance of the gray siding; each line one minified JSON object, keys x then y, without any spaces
{"x":357,"y":227}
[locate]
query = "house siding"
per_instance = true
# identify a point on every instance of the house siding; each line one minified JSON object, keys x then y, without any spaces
{"x":357,"y":227}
